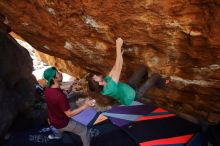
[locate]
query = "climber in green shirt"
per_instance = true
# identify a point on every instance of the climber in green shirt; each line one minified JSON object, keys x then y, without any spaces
{"x":125,"y":93}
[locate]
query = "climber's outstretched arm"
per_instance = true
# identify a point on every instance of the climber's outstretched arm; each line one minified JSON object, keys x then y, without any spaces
{"x":116,"y":70}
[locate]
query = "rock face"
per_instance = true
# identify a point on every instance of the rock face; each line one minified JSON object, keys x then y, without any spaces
{"x":16,"y":80}
{"x":176,"y":38}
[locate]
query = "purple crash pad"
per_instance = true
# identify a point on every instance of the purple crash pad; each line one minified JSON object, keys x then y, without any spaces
{"x":85,"y":117}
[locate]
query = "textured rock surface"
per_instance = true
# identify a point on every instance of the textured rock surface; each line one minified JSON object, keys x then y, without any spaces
{"x":177,"y":38}
{"x":16,"y":81}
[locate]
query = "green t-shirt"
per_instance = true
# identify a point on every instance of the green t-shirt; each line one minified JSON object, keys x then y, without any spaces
{"x":119,"y":91}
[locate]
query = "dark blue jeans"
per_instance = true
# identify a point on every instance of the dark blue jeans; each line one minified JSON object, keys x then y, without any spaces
{"x":136,"y":81}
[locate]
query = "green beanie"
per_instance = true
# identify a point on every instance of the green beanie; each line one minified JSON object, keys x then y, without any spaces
{"x":49,"y":74}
